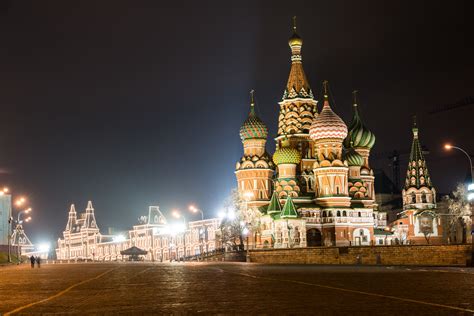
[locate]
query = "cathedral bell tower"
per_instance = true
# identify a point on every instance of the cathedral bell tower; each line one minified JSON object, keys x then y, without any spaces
{"x":419,"y":199}
{"x":255,"y":169}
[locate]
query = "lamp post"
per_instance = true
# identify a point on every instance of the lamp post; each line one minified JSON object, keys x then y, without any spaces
{"x":248,"y":195}
{"x":19,"y":202}
{"x":470,"y":195}
{"x":18,"y":229}
{"x":194,"y":209}
{"x":176,"y":214}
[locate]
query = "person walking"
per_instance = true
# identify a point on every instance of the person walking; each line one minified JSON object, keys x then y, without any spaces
{"x":38,"y":261}
{"x":32,"y":260}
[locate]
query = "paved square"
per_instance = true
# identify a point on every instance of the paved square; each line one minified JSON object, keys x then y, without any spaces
{"x":234,"y":288}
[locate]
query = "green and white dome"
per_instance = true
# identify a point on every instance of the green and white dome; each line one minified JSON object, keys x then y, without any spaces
{"x":354,"y":158}
{"x":359,"y":135}
{"x":253,"y":127}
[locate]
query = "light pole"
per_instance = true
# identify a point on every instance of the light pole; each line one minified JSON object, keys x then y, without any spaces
{"x":176,"y":214}
{"x":19,"y":202}
{"x":248,"y":195}
{"x":18,"y":229}
{"x":194,"y":209}
{"x":470,"y":195}
{"x":449,"y":147}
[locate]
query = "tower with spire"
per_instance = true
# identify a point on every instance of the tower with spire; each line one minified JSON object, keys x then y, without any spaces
{"x":419,"y":198}
{"x":297,"y":110}
{"x":255,"y":169}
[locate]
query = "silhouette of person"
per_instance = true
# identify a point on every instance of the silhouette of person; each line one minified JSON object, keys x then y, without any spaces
{"x":32,"y":260}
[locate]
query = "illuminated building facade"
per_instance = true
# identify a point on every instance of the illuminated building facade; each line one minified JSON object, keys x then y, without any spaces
{"x":82,"y":239}
{"x":5,"y":213}
{"x":318,"y":188}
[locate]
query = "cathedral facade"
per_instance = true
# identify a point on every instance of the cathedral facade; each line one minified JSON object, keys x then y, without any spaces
{"x":317,"y":189}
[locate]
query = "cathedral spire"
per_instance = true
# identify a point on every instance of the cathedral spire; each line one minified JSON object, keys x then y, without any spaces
{"x":417,"y":172}
{"x":326,"y":93}
{"x":297,"y":85}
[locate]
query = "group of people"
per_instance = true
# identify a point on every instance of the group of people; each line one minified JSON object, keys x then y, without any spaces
{"x":36,"y":260}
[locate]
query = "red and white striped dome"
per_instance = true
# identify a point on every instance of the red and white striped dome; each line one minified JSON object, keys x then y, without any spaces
{"x":328,"y":125}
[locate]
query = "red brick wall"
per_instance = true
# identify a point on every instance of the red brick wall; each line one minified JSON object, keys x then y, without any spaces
{"x":429,"y":255}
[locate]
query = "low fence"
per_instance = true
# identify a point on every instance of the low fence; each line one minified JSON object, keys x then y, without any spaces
{"x":426,"y":255}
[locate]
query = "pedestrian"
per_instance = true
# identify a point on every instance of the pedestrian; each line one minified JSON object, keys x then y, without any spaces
{"x":38,"y":261}
{"x":32,"y":260}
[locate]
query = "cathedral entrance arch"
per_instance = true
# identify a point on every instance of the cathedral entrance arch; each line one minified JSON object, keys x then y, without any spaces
{"x":313,"y":237}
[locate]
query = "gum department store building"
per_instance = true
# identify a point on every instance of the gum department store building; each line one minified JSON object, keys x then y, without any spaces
{"x":316,"y":190}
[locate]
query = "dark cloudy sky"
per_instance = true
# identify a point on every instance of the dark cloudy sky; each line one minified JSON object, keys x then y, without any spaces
{"x":133,"y":103}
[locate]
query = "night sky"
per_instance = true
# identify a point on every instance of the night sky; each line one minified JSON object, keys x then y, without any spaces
{"x":132,"y":103}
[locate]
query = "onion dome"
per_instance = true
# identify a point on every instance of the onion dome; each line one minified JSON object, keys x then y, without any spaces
{"x":359,"y":135}
{"x":286,"y":154}
{"x":327,"y":125}
{"x":354,"y":158}
{"x":253,"y":127}
{"x":295,"y":39}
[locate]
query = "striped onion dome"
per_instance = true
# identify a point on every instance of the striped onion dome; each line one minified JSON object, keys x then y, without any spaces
{"x":286,"y":154}
{"x":359,"y":135}
{"x":354,"y":158}
{"x":253,"y":127}
{"x":327,"y":125}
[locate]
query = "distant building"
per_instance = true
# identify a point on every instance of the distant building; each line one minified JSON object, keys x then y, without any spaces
{"x":5,"y":213}
{"x":82,"y":239}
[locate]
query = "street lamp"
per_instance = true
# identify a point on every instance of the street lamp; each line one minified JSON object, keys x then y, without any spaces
{"x":18,"y":227}
{"x":470,"y":195}
{"x":20,"y":201}
{"x":194,"y":209}
{"x":177,"y":214}
{"x":449,"y":147}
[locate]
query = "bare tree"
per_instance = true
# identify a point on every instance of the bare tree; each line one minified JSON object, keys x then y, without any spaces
{"x":459,"y":211}
{"x":239,"y":220}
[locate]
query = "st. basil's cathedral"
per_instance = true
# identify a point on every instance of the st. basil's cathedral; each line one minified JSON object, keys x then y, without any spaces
{"x":318,"y":187}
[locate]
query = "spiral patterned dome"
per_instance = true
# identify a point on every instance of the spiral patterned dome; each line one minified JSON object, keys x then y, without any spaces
{"x":327,"y":124}
{"x":253,"y":127}
{"x":359,"y":135}
{"x":286,"y":155}
{"x":354,"y":158}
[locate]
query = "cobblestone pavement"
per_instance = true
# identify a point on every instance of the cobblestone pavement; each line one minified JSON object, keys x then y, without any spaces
{"x":234,"y":288}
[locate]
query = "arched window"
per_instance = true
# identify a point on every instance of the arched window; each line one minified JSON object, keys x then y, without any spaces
{"x":344,"y":213}
{"x":338,"y":213}
{"x":324,"y":213}
{"x":359,"y":214}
